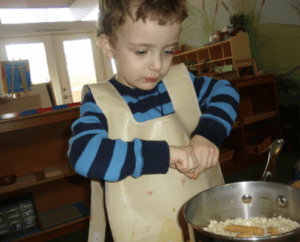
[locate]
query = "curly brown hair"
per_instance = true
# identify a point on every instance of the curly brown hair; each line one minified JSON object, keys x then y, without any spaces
{"x":113,"y":13}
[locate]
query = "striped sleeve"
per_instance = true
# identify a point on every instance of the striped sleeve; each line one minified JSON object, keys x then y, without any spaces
{"x":218,"y":102}
{"x":93,"y":155}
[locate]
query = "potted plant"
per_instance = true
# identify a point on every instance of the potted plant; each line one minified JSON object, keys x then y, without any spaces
{"x":238,"y":22}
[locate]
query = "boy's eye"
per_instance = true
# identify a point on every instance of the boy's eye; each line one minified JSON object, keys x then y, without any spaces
{"x":169,"y":52}
{"x":140,"y":52}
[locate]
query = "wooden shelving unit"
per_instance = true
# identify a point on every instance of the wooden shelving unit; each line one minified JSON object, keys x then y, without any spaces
{"x":220,"y":54}
{"x":29,"y":146}
{"x":258,"y":116}
{"x":30,"y":180}
{"x":8,"y":125}
{"x":255,"y":118}
{"x":58,"y":231}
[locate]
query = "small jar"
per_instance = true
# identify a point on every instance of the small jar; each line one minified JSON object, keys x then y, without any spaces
{"x":219,"y":35}
{"x":214,"y":38}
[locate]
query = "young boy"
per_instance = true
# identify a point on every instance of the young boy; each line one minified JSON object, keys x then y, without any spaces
{"x":145,"y":120}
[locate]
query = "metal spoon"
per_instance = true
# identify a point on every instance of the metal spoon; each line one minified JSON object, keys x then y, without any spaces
{"x":274,"y":150}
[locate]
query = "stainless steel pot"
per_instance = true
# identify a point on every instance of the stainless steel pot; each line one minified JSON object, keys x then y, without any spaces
{"x":245,"y":200}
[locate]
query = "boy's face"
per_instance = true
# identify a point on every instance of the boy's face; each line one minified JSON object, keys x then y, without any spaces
{"x":143,"y":52}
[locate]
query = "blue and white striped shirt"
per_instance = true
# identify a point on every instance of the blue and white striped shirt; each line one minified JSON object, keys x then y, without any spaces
{"x":93,"y":155}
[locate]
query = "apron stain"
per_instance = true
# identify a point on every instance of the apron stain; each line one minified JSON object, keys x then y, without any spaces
{"x":148,"y":228}
{"x":149,"y":192}
{"x":132,"y":236}
{"x":174,"y":209}
{"x":183,"y":180}
{"x":169,"y":232}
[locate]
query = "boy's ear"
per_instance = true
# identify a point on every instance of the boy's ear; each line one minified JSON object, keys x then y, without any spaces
{"x":105,"y":45}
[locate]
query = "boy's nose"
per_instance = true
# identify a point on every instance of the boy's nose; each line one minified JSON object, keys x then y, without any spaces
{"x":156,"y":63}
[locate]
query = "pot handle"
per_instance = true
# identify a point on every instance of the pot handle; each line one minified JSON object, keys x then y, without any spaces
{"x":274,"y":150}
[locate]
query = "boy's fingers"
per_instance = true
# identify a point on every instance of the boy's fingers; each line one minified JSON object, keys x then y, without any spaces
{"x":193,"y":175}
{"x":191,"y":171}
{"x":200,"y":161}
{"x":186,"y":161}
{"x":181,"y":166}
{"x":189,"y":175}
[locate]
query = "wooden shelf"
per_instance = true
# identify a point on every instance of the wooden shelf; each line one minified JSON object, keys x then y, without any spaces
{"x":238,"y":164}
{"x":57,"y":231}
{"x":34,"y":120}
{"x":225,"y":155}
{"x":202,"y":48}
{"x":246,"y":82}
{"x":258,"y":116}
{"x":31,"y":180}
{"x":236,"y":125}
{"x":223,"y":53}
{"x":34,"y":148}
{"x":213,"y":61}
{"x":255,"y":118}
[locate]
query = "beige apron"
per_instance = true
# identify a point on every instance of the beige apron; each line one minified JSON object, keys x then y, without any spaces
{"x":149,"y":208}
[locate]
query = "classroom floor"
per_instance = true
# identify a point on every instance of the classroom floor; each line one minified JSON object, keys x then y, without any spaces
{"x":283,"y":173}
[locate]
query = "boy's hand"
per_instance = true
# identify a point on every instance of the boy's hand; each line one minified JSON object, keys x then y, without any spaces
{"x":206,"y":153}
{"x":183,"y":159}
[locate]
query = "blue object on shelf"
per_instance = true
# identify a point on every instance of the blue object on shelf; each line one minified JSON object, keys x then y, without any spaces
{"x":28,"y":112}
{"x":58,"y":107}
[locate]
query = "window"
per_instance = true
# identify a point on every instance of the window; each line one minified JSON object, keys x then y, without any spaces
{"x":93,"y":16}
{"x":35,"y":53}
{"x":80,"y":65}
{"x":41,"y":15}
